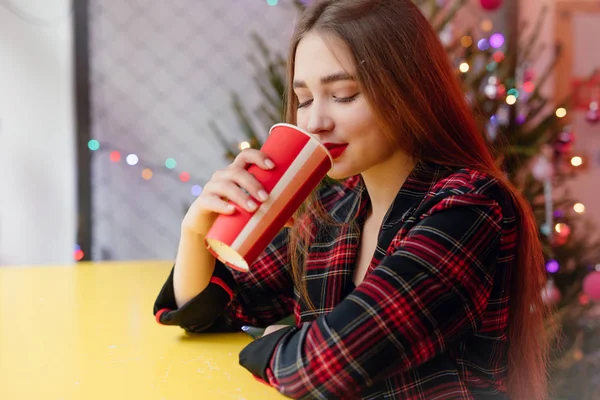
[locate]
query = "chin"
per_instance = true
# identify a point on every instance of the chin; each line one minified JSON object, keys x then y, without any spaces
{"x":338,"y":172}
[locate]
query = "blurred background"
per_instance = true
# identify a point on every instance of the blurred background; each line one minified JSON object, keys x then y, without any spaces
{"x":113,"y":114}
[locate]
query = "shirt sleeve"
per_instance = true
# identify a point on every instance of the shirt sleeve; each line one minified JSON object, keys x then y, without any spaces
{"x":428,"y":292}
{"x":260,"y":297}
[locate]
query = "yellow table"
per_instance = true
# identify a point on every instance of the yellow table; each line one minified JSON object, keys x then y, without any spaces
{"x":87,"y":332}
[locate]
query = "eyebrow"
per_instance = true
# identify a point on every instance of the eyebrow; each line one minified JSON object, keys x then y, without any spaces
{"x":338,"y":76}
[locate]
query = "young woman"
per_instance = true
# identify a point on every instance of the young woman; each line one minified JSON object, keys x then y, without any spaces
{"x":418,"y":274}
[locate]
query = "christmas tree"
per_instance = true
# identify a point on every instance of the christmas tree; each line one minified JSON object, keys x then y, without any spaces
{"x":530,"y":140}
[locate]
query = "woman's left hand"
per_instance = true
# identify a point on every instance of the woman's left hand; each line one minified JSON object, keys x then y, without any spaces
{"x":273,"y":328}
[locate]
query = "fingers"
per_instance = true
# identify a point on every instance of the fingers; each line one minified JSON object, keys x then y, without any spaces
{"x":236,"y":184}
{"x":215,"y":204}
{"x":229,"y":189}
{"x":273,"y":328}
{"x":252,"y":156}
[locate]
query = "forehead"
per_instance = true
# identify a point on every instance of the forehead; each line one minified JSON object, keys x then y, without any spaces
{"x":318,"y":55}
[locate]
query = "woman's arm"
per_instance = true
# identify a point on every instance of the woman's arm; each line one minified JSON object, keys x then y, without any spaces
{"x":229,"y":299}
{"x":193,"y":269}
{"x":424,"y":296}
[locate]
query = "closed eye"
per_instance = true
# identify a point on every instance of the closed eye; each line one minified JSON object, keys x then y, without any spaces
{"x":336,"y":99}
{"x":346,"y":99}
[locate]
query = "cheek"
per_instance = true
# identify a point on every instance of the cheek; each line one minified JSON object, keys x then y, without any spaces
{"x":302,"y":120}
{"x":359,"y":116}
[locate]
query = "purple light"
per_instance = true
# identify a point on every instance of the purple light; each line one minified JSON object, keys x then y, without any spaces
{"x":497,"y":40}
{"x":552,"y":266}
{"x":521,"y":119}
{"x":196,"y":190}
{"x":494,"y":119}
{"x":483,"y":44}
{"x":559,"y":214}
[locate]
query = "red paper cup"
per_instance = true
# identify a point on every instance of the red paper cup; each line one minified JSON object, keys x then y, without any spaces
{"x":301,"y":162}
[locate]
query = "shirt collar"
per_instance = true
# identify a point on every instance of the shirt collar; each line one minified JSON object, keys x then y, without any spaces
{"x":417,"y":187}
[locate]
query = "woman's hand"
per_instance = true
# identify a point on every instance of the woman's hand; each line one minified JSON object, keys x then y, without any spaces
{"x":233,"y":183}
{"x":273,"y":328}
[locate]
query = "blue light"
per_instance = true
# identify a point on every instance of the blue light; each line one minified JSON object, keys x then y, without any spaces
{"x":196,"y":190}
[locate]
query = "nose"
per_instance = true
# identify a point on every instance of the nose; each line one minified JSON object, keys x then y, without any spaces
{"x":319,"y":121}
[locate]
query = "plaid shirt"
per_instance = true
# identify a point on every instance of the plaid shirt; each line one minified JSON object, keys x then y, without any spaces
{"x":429,"y":321}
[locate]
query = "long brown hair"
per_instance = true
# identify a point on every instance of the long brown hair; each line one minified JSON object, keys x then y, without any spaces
{"x":406,"y":76}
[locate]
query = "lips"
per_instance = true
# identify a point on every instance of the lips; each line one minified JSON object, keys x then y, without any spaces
{"x":335,"y":149}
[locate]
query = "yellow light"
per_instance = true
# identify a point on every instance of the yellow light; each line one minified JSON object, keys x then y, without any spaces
{"x":579,"y":208}
{"x":464,"y":67}
{"x":244,"y":145}
{"x":576,"y":161}
{"x":511,"y":99}
{"x":560,"y":227}
{"x":486,"y":25}
{"x":561,"y":112}
{"x":147,"y":174}
{"x":466,"y":41}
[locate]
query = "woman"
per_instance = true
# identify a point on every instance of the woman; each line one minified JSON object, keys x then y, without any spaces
{"x":418,"y":274}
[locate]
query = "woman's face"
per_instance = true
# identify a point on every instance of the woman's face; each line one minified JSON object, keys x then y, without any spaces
{"x":332,"y":106}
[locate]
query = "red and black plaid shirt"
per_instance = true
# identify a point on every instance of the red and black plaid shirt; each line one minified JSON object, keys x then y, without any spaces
{"x":429,"y":321}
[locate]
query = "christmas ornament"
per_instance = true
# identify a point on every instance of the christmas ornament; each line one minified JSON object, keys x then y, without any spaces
{"x":593,"y":115}
{"x":550,"y":294}
{"x":564,"y":142}
{"x":490,"y":5}
{"x":563,"y":230}
{"x":591,"y":285}
{"x":528,"y":75}
{"x":559,"y":240}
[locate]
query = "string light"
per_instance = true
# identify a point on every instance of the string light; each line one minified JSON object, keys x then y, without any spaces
{"x":552,"y":266}
{"x":513,"y":92}
{"x":511,"y":99}
{"x":464,"y":67}
{"x":244,"y":145}
{"x":272,"y":2}
{"x":529,"y":86}
{"x":147,"y":174}
{"x":93,"y":145}
{"x":466,"y":41}
{"x":498,"y":56}
{"x":579,"y":208}
{"x":78,"y":254}
{"x":170,"y":163}
{"x":147,"y":171}
{"x":184,"y":177}
{"x":483,"y":44}
{"x":576,"y":161}
{"x":486,"y":25}
{"x":196,"y":190}
{"x":497,"y":40}
{"x":132,"y":159}
{"x":562,"y":228}
{"x":491,"y":66}
{"x":561,"y":112}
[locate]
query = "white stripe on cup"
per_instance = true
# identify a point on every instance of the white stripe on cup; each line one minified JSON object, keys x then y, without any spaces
{"x":280,"y":186}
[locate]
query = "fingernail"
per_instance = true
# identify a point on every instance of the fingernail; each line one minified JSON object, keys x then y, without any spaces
{"x":262,"y":195}
{"x":251,"y":205}
{"x":269,"y":163}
